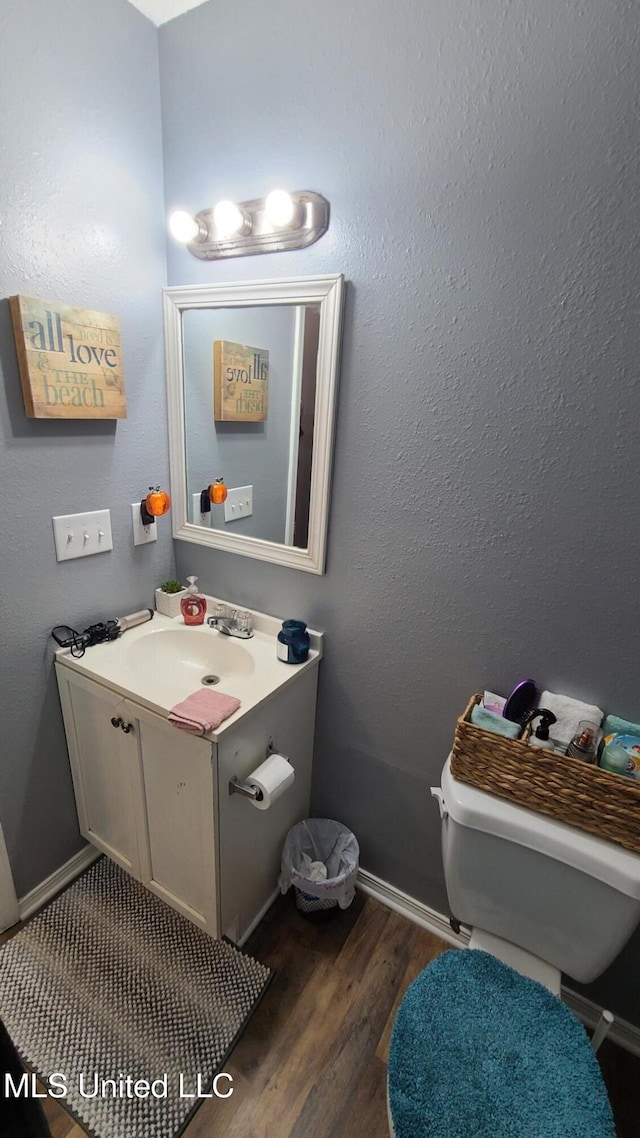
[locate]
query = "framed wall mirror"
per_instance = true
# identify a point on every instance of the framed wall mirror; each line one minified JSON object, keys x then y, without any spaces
{"x":252,"y":373}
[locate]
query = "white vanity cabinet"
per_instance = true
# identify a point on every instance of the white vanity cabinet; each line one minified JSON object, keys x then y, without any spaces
{"x":107,"y":774}
{"x":144,"y":794}
{"x":157,"y":800}
{"x":179,"y":804}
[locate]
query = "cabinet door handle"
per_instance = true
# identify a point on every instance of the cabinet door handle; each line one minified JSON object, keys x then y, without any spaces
{"x":127,"y":727}
{"x":116,"y":722}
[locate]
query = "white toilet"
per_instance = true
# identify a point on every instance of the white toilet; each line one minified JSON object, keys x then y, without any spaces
{"x":540,"y":896}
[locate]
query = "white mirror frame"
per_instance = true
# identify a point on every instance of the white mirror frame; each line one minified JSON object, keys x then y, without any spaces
{"x":327,"y":291}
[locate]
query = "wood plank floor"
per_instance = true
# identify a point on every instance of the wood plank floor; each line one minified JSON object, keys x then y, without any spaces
{"x":312,"y":1061}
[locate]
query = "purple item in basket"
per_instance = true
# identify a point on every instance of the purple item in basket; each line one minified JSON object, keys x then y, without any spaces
{"x":522,"y":699}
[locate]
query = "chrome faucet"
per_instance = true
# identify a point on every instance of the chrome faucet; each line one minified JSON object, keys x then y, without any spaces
{"x":233,"y":623}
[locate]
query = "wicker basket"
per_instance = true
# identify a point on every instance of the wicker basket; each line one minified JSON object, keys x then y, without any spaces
{"x":604,"y":804}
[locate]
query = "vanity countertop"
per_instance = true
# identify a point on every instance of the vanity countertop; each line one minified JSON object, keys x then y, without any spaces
{"x":161,"y":662}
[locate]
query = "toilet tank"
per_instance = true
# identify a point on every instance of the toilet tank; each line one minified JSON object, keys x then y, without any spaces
{"x":560,"y":893}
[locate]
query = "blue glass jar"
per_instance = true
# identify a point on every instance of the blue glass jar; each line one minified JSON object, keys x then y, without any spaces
{"x":293,"y":642}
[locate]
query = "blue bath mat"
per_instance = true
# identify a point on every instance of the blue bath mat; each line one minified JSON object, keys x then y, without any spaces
{"x":479,"y":1051}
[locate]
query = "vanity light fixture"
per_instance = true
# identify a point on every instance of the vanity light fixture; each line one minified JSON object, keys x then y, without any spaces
{"x":184,"y":227}
{"x":230,"y":220}
{"x":279,"y":222}
{"x":281,"y":209}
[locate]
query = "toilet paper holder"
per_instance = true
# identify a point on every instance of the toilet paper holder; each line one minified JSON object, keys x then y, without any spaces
{"x":245,"y":788}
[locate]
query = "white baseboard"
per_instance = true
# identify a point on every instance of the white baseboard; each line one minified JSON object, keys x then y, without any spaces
{"x":256,"y":920}
{"x":407,"y":906}
{"x":625,"y":1034}
{"x":56,"y":882}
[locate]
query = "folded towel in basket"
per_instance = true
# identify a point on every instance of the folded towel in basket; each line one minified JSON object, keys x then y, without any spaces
{"x":492,"y":722}
{"x":569,"y":713}
{"x":614,"y":725}
{"x":203,"y":711}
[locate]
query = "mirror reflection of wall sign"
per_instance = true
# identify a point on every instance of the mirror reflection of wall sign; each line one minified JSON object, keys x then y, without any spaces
{"x":70,"y":360}
{"x":240,"y":383}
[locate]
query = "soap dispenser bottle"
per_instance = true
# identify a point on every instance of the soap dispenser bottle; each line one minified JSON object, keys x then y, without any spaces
{"x":540,"y":737}
{"x":193,"y":606}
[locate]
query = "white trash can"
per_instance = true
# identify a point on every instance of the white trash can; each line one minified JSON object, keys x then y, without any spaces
{"x":320,"y":859}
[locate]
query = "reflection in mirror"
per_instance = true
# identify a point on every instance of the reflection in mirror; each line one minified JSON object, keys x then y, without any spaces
{"x":249,"y":398}
{"x":251,"y":381}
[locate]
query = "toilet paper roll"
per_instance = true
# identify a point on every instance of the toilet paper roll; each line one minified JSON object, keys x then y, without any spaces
{"x":272,"y":777}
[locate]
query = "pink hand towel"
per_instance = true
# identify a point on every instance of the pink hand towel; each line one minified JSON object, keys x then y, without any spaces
{"x":203,"y":711}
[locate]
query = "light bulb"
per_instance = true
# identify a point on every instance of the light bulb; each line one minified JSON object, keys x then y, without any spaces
{"x":280,"y":208}
{"x":229,"y":219}
{"x":183,"y":226}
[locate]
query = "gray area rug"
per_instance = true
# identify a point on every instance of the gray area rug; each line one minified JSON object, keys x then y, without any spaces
{"x":109,"y":983}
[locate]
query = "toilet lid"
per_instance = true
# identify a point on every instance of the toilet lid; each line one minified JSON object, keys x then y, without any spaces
{"x":479,"y":1050}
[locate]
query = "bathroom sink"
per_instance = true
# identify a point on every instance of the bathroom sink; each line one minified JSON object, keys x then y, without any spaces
{"x":194,"y":653}
{"x":163,"y":661}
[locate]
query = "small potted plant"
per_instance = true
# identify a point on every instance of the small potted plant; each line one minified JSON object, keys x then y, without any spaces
{"x":168,"y":598}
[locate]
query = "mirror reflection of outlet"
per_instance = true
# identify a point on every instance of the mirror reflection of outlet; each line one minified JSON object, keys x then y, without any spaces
{"x":239,"y":503}
{"x":197,"y":517}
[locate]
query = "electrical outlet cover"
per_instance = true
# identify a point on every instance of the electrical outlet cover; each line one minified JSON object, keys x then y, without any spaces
{"x":142,"y":535}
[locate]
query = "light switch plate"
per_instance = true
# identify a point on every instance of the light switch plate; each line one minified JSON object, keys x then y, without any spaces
{"x":238,"y":503}
{"x":81,"y":535}
{"x":142,"y":534}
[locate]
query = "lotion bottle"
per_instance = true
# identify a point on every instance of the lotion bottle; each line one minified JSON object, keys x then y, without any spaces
{"x":193,"y":606}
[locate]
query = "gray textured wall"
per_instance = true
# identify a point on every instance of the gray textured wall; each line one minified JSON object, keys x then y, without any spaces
{"x":245,"y":454}
{"x":482,"y":166}
{"x":81,"y":221}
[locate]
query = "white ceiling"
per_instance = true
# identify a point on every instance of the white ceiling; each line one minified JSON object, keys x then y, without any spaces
{"x":159,"y":11}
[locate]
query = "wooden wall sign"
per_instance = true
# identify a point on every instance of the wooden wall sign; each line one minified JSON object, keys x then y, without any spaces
{"x":70,"y":360}
{"x":240,"y":383}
